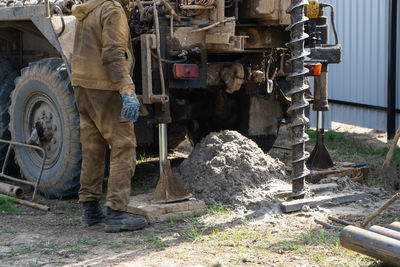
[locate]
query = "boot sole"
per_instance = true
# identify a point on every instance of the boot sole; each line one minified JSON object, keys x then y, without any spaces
{"x":88,"y":223}
{"x":119,"y":228}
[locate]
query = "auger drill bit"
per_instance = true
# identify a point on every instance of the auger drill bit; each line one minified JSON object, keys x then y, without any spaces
{"x":299,"y":103}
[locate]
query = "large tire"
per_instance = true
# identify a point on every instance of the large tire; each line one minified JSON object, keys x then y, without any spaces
{"x":44,"y":91}
{"x":7,"y":77}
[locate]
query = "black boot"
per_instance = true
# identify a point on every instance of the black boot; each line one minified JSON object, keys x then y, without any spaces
{"x":92,"y":213}
{"x":117,"y":221}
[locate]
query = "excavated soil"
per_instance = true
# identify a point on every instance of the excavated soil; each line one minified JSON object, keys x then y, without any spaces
{"x":229,"y":169}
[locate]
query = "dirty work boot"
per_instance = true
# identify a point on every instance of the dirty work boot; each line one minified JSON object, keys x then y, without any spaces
{"x":117,"y":221}
{"x":92,"y":213}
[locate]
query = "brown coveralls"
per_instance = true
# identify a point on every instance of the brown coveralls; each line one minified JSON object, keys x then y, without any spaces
{"x":101,"y":68}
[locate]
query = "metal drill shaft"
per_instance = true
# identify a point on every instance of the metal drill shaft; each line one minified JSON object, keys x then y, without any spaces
{"x":299,"y":103}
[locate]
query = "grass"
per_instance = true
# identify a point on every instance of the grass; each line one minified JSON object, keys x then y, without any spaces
{"x":7,"y":206}
{"x":82,"y":240}
{"x":94,"y":243}
{"x":142,"y":156}
{"x":194,"y":234}
{"x":218,"y":211}
{"x":215,"y":209}
{"x":320,"y":237}
{"x":22,"y":248}
{"x":345,"y":147}
{"x":175,"y":219}
{"x":260,"y":244}
{"x":156,"y":242}
{"x":76,"y":250}
{"x":348,"y":148}
{"x":115,"y":245}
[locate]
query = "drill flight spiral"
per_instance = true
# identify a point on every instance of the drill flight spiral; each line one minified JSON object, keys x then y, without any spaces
{"x":298,"y":119}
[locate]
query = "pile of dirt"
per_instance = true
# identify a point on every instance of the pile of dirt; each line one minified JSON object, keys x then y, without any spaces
{"x":344,"y":184}
{"x":229,"y":169}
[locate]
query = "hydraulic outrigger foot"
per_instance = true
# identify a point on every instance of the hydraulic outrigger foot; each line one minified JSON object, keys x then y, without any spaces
{"x":169,"y":188}
{"x":320,"y":158}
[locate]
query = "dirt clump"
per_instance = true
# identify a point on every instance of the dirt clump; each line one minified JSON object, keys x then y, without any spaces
{"x":226,"y":168}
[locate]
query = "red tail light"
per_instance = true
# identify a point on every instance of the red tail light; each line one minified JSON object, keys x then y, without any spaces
{"x":186,"y":71}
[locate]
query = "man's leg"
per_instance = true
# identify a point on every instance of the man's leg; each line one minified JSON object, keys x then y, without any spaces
{"x":93,"y":157}
{"x":120,"y":135}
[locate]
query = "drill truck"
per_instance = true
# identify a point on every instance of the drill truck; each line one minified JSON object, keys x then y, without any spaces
{"x":200,"y":66}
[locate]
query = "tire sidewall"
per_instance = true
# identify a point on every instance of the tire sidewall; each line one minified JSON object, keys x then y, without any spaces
{"x":22,"y":94}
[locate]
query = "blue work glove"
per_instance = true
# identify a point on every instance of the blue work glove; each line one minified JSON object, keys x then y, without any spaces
{"x":130,"y":108}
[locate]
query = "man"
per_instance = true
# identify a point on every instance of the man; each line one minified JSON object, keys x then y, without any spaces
{"x":102,"y":62}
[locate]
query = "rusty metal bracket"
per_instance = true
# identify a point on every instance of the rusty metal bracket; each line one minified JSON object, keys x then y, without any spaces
{"x":11,"y":145}
{"x":149,"y":42}
{"x":330,"y":54}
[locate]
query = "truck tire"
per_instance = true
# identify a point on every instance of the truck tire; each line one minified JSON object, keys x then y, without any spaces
{"x":44,"y":92}
{"x":7,"y":77}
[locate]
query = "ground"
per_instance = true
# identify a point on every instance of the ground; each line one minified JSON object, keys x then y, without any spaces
{"x":221,"y":237}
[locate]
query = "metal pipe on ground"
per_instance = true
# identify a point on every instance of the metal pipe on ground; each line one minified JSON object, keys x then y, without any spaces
{"x":395,"y":226}
{"x":384,"y":231}
{"x":371,"y":244}
{"x":11,"y":190}
{"x":344,"y":222}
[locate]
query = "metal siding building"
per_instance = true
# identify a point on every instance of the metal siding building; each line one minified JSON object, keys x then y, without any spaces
{"x":362,"y":27}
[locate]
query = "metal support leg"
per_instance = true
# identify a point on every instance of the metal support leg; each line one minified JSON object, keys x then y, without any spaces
{"x":169,"y":188}
{"x":11,"y":145}
{"x":320,"y":120}
{"x":162,"y":143}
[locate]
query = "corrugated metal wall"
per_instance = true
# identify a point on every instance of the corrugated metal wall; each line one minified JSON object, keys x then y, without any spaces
{"x":362,"y":27}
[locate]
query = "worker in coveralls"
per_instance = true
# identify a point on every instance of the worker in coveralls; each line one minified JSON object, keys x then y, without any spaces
{"x":102,"y":64}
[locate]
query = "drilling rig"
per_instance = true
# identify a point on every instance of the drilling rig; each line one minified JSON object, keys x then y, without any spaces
{"x":201,"y":66}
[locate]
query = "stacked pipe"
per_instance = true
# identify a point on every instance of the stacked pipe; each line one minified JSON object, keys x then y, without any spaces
{"x":299,"y":103}
{"x":377,"y":242}
{"x":11,"y":190}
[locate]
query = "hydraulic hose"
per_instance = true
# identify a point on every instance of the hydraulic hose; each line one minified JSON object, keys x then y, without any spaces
{"x":332,"y":21}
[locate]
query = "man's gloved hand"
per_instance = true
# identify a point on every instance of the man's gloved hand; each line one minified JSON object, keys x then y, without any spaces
{"x":130,"y":108}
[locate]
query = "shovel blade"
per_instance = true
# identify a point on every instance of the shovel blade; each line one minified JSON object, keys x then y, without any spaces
{"x":169,"y":188}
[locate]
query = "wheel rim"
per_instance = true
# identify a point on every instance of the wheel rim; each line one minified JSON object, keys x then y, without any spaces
{"x":41,"y":108}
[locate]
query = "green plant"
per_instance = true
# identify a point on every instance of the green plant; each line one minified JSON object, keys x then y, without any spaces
{"x":193,"y":234}
{"x":315,"y":237}
{"x":142,"y":156}
{"x":175,"y":219}
{"x":7,"y":205}
{"x":217,"y":209}
{"x":76,"y":250}
{"x":115,"y":245}
{"x":81,"y":240}
{"x":156,"y":242}
{"x":94,"y":242}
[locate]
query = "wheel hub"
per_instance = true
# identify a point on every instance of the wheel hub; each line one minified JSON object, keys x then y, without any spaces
{"x":43,"y":128}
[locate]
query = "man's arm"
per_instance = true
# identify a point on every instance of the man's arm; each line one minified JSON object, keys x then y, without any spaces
{"x":116,"y":35}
